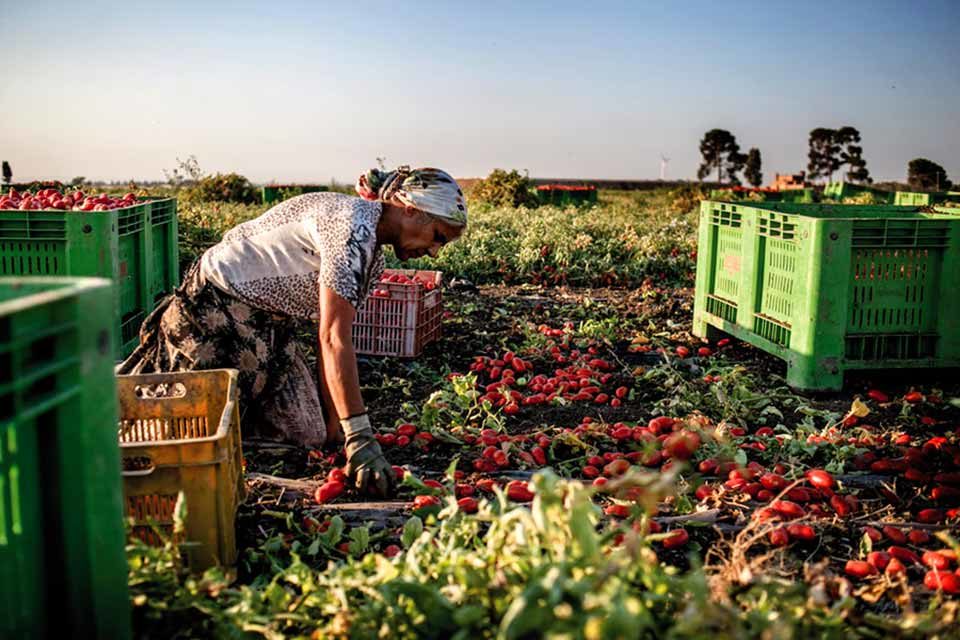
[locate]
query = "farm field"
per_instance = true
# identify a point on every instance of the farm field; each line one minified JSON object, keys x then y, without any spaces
{"x":578,"y":465}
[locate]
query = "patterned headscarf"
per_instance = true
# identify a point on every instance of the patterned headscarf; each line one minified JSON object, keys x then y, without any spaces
{"x":432,"y":191}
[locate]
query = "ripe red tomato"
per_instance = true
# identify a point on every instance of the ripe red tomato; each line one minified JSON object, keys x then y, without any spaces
{"x":820,"y":479}
{"x":918,"y":537}
{"x":703,"y":492}
{"x":941,"y":580}
{"x":879,"y":559}
{"x":802,"y":532}
{"x":930,"y":516}
{"x":935,"y":560}
{"x":328,"y":491}
{"x":468,"y":504}
{"x":779,"y":537}
{"x":424,"y":505}
{"x":787,"y":509}
{"x":486,"y":485}
{"x":903,"y":554}
{"x":773,"y":481}
{"x":539,"y":456}
{"x":895,"y":568}
{"x":682,"y":444}
{"x":894,"y":534}
{"x":616,"y":468}
{"x":617,"y":510}
{"x":859,"y":569}
{"x":518,"y":491}
{"x":676,"y":539}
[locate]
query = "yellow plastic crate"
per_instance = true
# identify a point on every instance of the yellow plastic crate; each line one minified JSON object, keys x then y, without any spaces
{"x":181,"y":432}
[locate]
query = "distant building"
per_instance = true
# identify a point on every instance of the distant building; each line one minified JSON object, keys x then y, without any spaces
{"x":789,"y":181}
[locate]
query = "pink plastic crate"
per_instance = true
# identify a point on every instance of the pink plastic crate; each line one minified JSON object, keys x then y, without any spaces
{"x":400,"y":319}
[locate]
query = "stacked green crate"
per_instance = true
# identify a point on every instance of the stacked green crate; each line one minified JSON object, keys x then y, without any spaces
{"x":278,"y":193}
{"x":831,"y":288}
{"x":805,"y":196}
{"x":62,"y":561}
{"x":733,"y":195}
{"x":135,"y":246}
{"x":565,"y":195}
{"x":841,"y":190}
{"x":925,"y":199}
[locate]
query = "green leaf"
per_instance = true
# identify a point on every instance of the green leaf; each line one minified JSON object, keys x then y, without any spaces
{"x":359,"y":540}
{"x":435,"y":608}
{"x":740,"y":457}
{"x":334,"y":532}
{"x":468,"y":615}
{"x":412,"y":529}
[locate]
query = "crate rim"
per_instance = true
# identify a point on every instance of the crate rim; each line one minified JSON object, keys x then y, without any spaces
{"x":141,"y":202}
{"x":64,"y":287}
{"x":819,"y":211}
{"x":225,"y":417}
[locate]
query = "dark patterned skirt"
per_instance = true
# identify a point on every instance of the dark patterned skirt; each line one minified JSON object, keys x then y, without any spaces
{"x":200,"y":327}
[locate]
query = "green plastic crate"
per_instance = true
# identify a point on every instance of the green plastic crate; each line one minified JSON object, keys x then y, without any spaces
{"x":135,"y":246}
{"x":805,"y":196}
{"x":729,"y":195}
{"x":841,"y":189}
{"x":831,"y":288}
{"x":925,"y":199}
{"x":277,"y":193}
{"x":62,"y":560}
{"x":566,"y":197}
{"x":787,"y":195}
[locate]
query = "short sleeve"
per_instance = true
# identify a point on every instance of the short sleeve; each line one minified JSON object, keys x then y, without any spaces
{"x":348,"y":256}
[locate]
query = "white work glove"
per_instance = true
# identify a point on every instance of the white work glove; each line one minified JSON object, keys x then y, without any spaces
{"x":366,"y":466}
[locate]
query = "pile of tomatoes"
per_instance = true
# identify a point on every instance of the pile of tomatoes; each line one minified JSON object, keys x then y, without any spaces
{"x":425,"y":280}
{"x":46,"y":199}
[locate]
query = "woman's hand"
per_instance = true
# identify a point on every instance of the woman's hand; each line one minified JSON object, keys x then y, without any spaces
{"x":366,"y":466}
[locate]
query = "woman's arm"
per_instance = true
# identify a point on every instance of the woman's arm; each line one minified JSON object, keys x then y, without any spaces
{"x":339,"y":380}
{"x":366,"y":466}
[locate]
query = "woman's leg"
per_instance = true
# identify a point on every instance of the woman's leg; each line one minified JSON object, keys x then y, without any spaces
{"x":292,"y":407}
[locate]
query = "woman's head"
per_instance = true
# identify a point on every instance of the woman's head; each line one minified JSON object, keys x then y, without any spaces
{"x":423,"y":208}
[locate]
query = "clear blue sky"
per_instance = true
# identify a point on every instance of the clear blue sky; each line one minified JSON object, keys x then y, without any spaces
{"x":308,"y":91}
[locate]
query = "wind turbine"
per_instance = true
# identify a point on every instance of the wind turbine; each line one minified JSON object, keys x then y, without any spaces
{"x":664,"y":160}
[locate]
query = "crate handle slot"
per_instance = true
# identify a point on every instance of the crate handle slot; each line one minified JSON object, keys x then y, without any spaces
{"x":148,"y":391}
{"x":137,"y":473}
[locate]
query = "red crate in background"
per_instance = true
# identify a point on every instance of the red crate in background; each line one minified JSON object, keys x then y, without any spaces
{"x":400,"y":319}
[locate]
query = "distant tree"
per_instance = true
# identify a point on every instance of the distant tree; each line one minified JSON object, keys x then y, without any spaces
{"x":77,"y":181}
{"x":927,"y":175}
{"x":823,"y":155}
{"x":7,"y":173}
{"x":831,"y":149}
{"x":752,"y":171}
{"x":851,"y":154}
{"x":505,"y":189}
{"x":720,"y":151}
